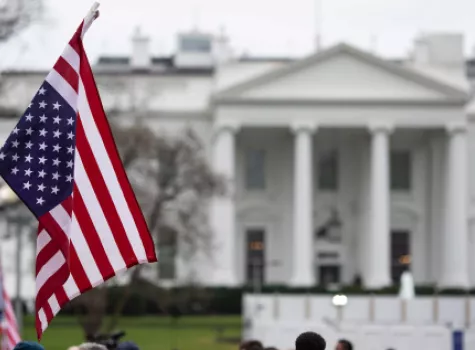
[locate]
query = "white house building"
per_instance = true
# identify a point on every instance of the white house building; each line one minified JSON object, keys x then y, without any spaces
{"x":345,"y":166}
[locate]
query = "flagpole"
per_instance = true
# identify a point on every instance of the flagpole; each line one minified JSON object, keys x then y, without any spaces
{"x":18,"y":256}
{"x":90,"y":17}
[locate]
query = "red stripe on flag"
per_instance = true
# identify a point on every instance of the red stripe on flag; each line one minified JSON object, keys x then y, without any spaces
{"x":103,"y":196}
{"x":56,"y":232}
{"x":91,"y":236}
{"x":48,"y":312}
{"x":51,"y":285}
{"x":48,"y":251}
{"x":100,"y":119}
{"x":61,"y":296}
{"x":67,"y":72}
{"x":77,"y":271}
{"x":75,"y":41}
{"x":68,"y":205}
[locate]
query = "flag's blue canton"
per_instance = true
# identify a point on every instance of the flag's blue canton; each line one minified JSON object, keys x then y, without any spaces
{"x":37,"y":160}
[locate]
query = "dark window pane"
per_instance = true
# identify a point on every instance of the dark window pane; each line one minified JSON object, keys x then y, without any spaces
{"x":255,"y":256}
{"x":168,"y":250}
{"x":329,"y":274}
{"x":401,"y":170}
{"x":400,"y":254}
{"x":195,"y":44}
{"x":255,"y":170}
{"x":328,"y":171}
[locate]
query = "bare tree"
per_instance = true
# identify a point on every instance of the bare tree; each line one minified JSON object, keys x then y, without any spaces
{"x":173,"y":182}
{"x":16,"y":15}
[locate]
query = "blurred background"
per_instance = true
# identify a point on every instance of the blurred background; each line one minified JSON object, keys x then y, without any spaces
{"x":302,"y":165}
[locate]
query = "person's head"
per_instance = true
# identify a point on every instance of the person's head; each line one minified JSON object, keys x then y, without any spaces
{"x":251,"y":345}
{"x":92,"y":346}
{"x":127,"y":345}
{"x":310,"y":341}
{"x":344,"y":344}
{"x":28,"y":345}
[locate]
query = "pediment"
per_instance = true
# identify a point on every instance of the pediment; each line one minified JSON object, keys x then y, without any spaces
{"x":343,"y":73}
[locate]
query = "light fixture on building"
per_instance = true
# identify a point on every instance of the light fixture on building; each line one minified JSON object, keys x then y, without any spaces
{"x":339,"y":300}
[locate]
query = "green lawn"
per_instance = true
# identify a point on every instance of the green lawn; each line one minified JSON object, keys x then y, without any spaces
{"x":150,"y":333}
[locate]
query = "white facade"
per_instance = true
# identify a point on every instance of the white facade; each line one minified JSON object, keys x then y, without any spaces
{"x":341,"y":100}
{"x":381,"y":322}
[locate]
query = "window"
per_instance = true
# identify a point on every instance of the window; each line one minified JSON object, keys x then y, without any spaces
{"x":255,"y":256}
{"x":329,"y":275}
{"x":168,"y":249}
{"x":195,"y":44}
{"x":400,"y":254}
{"x":401,"y":170}
{"x":328,"y":171}
{"x":255,"y":170}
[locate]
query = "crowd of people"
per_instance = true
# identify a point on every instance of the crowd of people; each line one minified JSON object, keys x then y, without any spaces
{"x":305,"y":341}
{"x":28,"y":345}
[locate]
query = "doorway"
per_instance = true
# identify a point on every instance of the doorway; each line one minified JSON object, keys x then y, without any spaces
{"x":400,"y":254}
{"x":255,"y":256}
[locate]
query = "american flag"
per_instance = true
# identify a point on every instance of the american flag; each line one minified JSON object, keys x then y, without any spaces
{"x":62,"y":162}
{"x":10,"y":333}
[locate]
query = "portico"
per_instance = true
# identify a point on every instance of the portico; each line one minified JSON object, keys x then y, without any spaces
{"x":293,"y":116}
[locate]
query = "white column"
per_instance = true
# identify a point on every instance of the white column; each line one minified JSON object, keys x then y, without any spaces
{"x":223,"y":214}
{"x":378,"y":267}
{"x":454,"y":271}
{"x":303,"y":249}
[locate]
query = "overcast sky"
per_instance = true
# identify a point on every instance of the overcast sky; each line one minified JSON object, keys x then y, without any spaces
{"x":259,"y":27}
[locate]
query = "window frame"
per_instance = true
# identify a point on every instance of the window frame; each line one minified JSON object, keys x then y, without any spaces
{"x":336,"y":178}
{"x":247,"y":179}
{"x":248,"y":277}
{"x":393,"y":182}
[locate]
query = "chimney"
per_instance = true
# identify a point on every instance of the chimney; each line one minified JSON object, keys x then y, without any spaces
{"x":140,"y":50}
{"x":441,"y":49}
{"x":221,"y":49}
{"x":421,"y":52}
